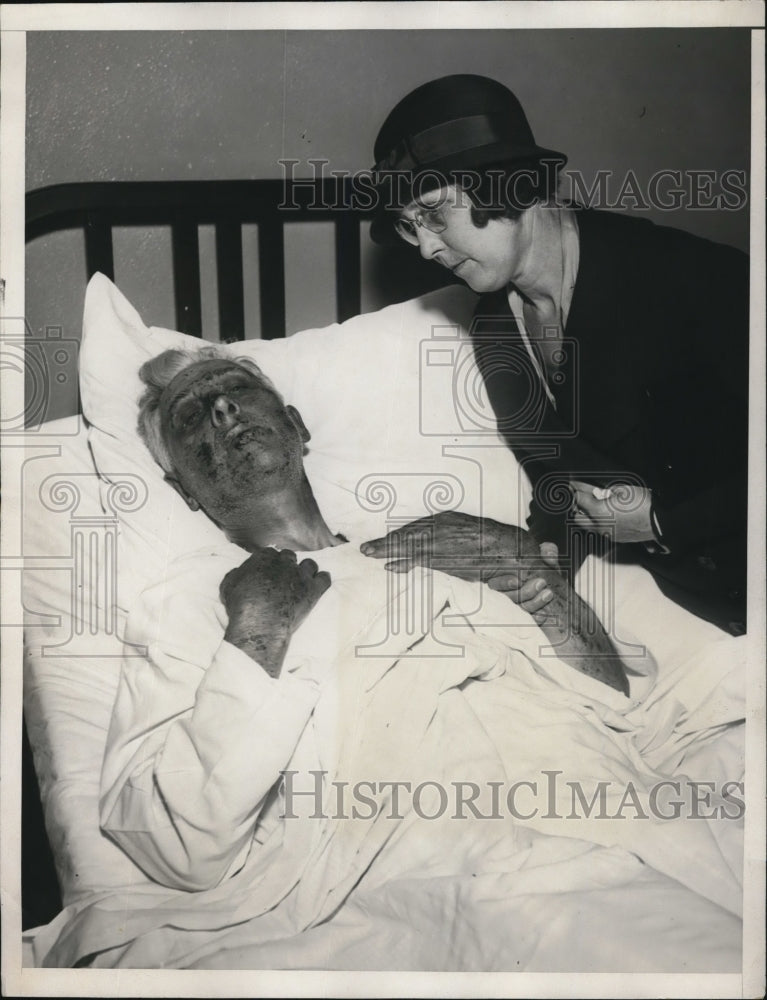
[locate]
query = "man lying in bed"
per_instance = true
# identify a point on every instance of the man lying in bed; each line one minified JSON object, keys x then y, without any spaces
{"x":203,"y":729}
{"x":231,"y":447}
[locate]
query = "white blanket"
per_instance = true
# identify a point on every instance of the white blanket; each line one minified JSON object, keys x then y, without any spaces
{"x":429,"y":699}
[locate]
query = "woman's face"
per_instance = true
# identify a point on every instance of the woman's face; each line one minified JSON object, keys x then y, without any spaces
{"x":487,"y":259}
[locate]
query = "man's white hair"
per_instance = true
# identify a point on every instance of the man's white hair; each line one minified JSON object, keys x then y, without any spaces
{"x":159,"y":372}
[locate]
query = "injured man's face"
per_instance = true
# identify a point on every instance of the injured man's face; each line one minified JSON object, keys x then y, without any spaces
{"x":226,"y":431}
{"x":237,"y":453}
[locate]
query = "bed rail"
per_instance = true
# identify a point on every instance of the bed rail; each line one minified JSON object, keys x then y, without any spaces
{"x":95,"y":207}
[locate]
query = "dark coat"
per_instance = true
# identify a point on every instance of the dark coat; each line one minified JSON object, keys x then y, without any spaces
{"x":654,"y":387}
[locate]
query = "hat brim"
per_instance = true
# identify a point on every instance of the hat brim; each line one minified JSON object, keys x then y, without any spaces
{"x":382,"y":227}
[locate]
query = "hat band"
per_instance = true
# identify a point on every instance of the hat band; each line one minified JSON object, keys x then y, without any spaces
{"x":451,"y":137}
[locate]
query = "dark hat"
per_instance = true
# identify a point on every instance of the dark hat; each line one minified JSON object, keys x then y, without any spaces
{"x":457,"y":122}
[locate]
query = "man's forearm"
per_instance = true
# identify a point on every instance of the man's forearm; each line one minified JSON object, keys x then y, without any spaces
{"x":572,"y":627}
{"x":576,"y":633}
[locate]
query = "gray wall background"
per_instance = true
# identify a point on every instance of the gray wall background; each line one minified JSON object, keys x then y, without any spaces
{"x":219,"y":104}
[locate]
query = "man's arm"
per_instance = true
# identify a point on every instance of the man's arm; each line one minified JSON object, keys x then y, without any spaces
{"x":199,"y":734}
{"x":570,"y":625}
{"x":473,"y":548}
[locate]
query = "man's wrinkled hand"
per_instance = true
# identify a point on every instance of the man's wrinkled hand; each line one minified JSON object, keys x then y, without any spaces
{"x":266,"y":599}
{"x":470,"y":548}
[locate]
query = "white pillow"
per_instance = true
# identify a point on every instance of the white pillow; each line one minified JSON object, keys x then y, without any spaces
{"x":376,"y":393}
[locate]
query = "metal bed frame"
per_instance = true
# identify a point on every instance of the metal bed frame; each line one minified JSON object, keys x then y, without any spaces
{"x":95,"y":207}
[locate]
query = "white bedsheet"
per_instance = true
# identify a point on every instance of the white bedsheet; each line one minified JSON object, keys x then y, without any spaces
{"x":596,"y":894}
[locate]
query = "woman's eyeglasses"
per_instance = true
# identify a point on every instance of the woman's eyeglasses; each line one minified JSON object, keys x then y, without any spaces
{"x":432,"y":219}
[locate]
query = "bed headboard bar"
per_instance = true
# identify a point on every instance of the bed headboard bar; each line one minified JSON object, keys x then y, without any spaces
{"x":96,"y":207}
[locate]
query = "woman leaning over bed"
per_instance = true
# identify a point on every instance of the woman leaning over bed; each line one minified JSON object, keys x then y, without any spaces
{"x":614,"y":352}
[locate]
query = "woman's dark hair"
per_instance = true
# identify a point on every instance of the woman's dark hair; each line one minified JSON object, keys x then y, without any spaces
{"x":499,"y":191}
{"x":504,"y":191}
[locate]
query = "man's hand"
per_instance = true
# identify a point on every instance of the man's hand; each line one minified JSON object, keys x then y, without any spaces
{"x":623,"y":511}
{"x":471,"y":548}
{"x":480,"y":549}
{"x":266,"y":599}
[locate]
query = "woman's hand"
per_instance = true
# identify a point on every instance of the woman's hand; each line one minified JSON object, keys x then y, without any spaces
{"x":471,"y":548}
{"x":550,"y":554}
{"x":622,"y":512}
{"x":533,"y":594}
